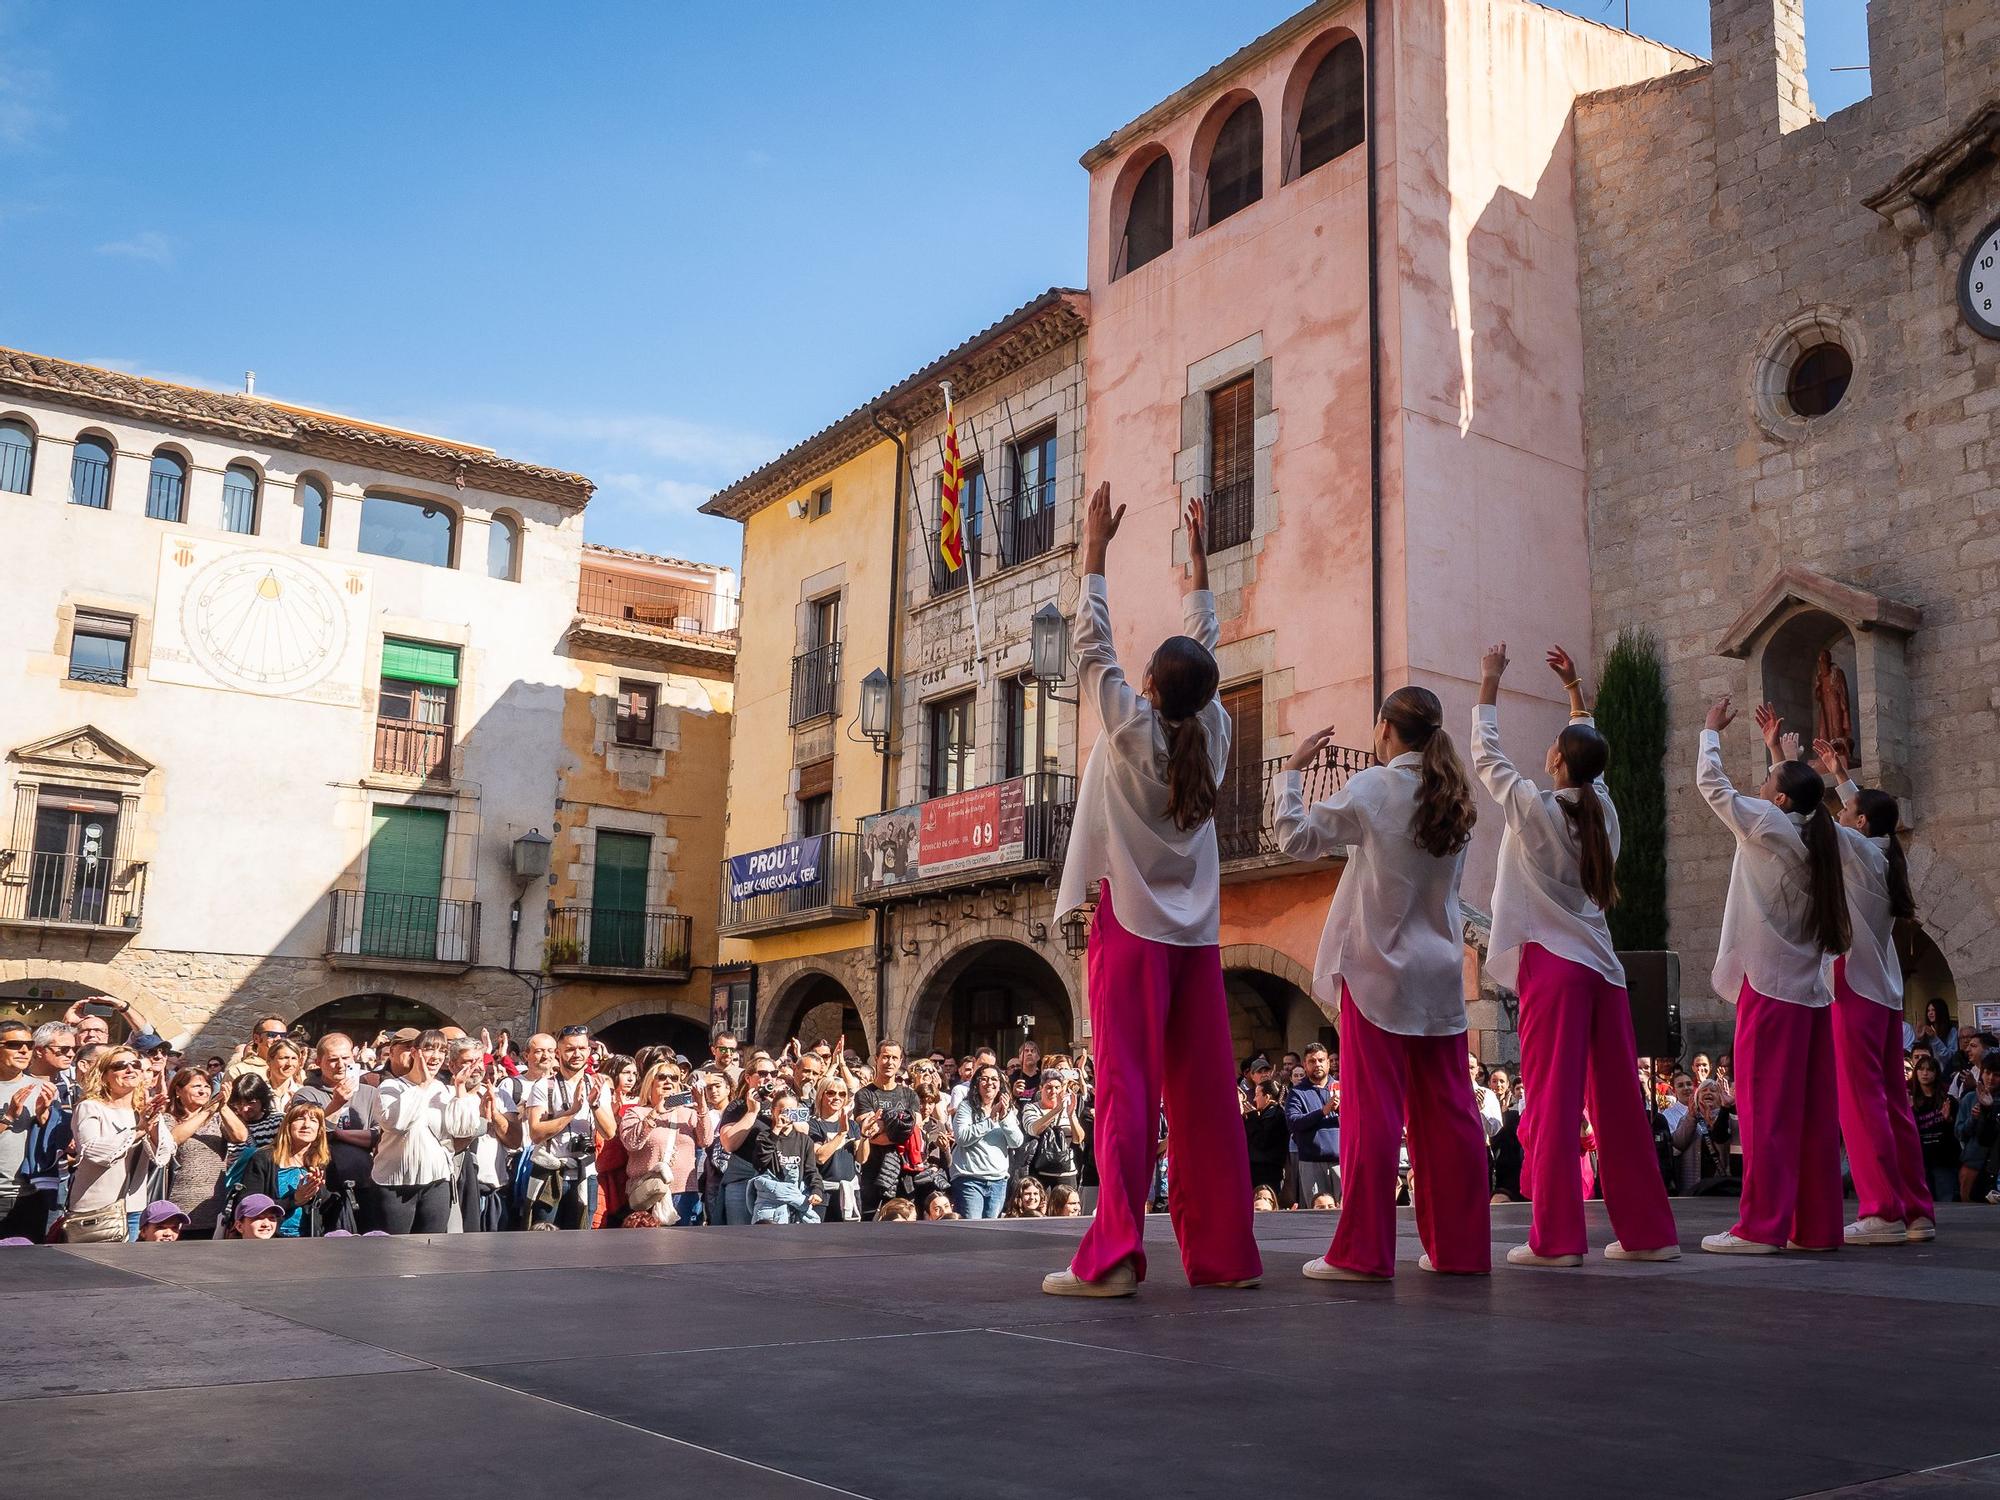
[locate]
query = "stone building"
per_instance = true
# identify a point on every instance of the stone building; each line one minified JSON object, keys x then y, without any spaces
{"x":1792,"y":409}
{"x":281,"y":692}
{"x":638,"y":822}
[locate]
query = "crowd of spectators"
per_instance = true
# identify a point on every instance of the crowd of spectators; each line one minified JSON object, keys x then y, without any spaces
{"x":429,"y":1132}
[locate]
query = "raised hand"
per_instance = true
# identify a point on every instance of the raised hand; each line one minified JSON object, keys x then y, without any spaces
{"x":1100,"y":525}
{"x":1560,"y":663}
{"x":1309,"y":749}
{"x":1832,"y":761}
{"x":1720,"y":715}
{"x":1195,"y":517}
{"x":1770,"y":724}
{"x":1789,"y":746}
{"x":1494,"y":663}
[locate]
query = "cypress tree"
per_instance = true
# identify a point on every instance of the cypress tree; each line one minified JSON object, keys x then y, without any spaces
{"x":1632,"y":713}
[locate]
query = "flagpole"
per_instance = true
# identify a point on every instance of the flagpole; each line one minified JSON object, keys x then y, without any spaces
{"x":971,"y":558}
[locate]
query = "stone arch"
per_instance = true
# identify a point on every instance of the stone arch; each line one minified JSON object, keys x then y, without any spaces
{"x":1240,"y":110}
{"x":1271,"y":1006}
{"x":98,"y":979}
{"x":1019,"y":961}
{"x":1955,"y":915}
{"x":632,"y":1010}
{"x":797,"y":990}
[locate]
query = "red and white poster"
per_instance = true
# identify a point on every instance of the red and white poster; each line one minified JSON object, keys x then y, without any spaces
{"x":985,"y":826}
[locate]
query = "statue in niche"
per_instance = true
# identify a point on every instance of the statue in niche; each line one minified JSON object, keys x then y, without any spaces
{"x":1833,"y":716}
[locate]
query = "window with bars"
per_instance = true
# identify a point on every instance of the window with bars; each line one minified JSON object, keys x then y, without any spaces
{"x":972,"y":530}
{"x":100,"y":648}
{"x":638,"y":705}
{"x":1031,"y":515}
{"x":1232,"y":462}
{"x":90,"y":473}
{"x":166,"y":487}
{"x":1027,"y":748}
{"x":949,"y":745}
{"x":1239,"y":800}
{"x":239,"y":499}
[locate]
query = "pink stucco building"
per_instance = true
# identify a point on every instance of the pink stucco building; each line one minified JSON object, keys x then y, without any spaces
{"x":1392,"y":442}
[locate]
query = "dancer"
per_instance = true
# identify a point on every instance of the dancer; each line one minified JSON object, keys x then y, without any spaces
{"x":1884,"y":1151}
{"x":1144,"y":826}
{"x":1786,"y":911}
{"x":1551,"y":946}
{"x":1391,"y":962}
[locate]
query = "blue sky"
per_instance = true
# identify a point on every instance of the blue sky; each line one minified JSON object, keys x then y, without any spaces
{"x":653,"y":242}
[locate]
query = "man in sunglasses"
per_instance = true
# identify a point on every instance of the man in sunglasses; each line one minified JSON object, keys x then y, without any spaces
{"x":564,"y":1117}
{"x":724,"y":1056}
{"x":267,"y":1033}
{"x":25,"y":1102}
{"x":43,"y":1173}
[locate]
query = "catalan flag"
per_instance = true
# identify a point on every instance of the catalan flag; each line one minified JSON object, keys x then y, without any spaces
{"x":951,"y":533}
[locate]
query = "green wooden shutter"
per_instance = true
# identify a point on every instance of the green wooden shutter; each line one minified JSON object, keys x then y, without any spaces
{"x":618,"y":899}
{"x":419,"y":661}
{"x":399,"y":914}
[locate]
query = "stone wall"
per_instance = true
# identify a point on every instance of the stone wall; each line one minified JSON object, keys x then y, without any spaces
{"x":1717,"y":218}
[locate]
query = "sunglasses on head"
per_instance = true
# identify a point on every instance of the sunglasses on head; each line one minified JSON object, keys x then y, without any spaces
{"x":570,"y":1031}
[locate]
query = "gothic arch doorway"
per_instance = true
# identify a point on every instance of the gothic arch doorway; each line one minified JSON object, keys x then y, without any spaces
{"x":980,"y":995}
{"x":362,"y":1017}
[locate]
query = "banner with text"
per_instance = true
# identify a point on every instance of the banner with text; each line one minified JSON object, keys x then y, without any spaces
{"x":944,"y":836}
{"x":784,"y":867}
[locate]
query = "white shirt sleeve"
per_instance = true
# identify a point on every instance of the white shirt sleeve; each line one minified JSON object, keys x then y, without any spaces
{"x":1315,"y":832}
{"x":1101,"y":678}
{"x":1516,"y":794}
{"x":1744,"y":816}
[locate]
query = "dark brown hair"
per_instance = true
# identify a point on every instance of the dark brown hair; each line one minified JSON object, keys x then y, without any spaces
{"x":1584,"y":756}
{"x":1826,"y":887}
{"x":1879,"y":811}
{"x":1442,"y":823}
{"x":1184,"y":678}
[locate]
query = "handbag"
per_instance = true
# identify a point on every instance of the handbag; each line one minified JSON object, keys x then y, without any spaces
{"x":97,"y":1226}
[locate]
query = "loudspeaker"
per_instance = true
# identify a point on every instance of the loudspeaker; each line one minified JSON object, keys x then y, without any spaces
{"x":1653,"y":987}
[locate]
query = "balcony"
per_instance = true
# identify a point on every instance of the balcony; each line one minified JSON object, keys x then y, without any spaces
{"x":409,"y":747}
{"x":1232,"y":509}
{"x":164,"y":495}
{"x":90,"y":482}
{"x":1013,"y":529}
{"x":390,"y":930}
{"x":82,"y":892}
{"x":991,"y":835}
{"x":1243,"y":830}
{"x":620,"y":945}
{"x":783,"y":889}
{"x":815,"y":683}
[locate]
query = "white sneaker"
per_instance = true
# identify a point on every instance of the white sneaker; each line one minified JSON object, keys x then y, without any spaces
{"x":1871,"y":1230}
{"x":1324,"y":1270}
{"x":1728,"y":1243}
{"x":1616,"y":1251}
{"x":1921,"y":1230}
{"x":1524,"y":1255}
{"x":1122,"y":1282}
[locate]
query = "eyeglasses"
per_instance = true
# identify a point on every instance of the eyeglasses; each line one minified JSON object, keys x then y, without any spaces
{"x":279,"y":1032}
{"x":126,"y":1066}
{"x":61,"y":1051}
{"x":23,"y":1042}
{"x":763,"y":1072}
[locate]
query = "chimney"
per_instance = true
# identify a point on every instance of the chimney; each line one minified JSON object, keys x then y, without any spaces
{"x":249,"y":382}
{"x":1759,"y":47}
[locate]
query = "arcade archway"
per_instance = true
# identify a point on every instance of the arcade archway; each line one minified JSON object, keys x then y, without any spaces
{"x":1927,"y":974}
{"x":997,"y":993}
{"x":814,"y":1007}
{"x":363,"y":1017}
{"x":1271,"y":1014}
{"x":658,"y":1029}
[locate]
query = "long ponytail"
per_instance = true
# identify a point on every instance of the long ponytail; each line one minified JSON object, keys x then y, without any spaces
{"x":1584,"y":756}
{"x":1879,"y":811}
{"x":1184,"y":677}
{"x":1442,"y":823}
{"x":1826,"y":886}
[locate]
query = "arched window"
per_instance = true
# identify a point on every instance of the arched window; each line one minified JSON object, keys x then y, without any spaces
{"x":1333,"y":113}
{"x":239,"y":499}
{"x":17,"y":458}
{"x":420,"y":531}
{"x":90,"y":473}
{"x":1148,"y":230}
{"x":503,"y":548}
{"x":311,"y":492}
{"x":166,"y":487}
{"x":1235,"y":164}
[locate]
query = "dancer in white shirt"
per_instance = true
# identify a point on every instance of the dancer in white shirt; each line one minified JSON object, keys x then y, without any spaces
{"x":1145,"y":827}
{"x":1786,"y":912}
{"x":1551,"y":945}
{"x":1884,"y":1151}
{"x":1391,"y":965}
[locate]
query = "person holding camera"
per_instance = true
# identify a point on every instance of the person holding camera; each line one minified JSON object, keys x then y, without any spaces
{"x":734,"y":1137}
{"x":1979,"y":1135}
{"x":418,"y":1113}
{"x":662,"y":1134}
{"x":562,"y":1117}
{"x":888,"y":1119}
{"x":787,"y":1188}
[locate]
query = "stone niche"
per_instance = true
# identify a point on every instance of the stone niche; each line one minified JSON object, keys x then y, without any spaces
{"x":1816,"y":646}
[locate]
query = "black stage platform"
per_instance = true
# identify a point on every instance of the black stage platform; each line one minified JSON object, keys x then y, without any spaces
{"x":920,"y":1361}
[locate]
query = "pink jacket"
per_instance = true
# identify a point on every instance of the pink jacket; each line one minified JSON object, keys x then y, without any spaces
{"x":661,"y":1142}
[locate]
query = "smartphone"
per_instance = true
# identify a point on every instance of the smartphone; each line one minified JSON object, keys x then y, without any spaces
{"x":797,"y":1116}
{"x":676,"y":1101}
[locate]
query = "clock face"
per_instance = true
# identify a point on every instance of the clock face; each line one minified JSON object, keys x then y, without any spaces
{"x":1979,"y":282}
{"x":261,"y":623}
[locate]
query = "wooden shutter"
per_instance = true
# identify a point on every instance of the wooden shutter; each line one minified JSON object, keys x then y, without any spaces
{"x":816,"y":779}
{"x":1232,"y":423}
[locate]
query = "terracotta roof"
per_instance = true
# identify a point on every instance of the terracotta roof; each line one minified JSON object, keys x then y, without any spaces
{"x":295,"y":429}
{"x":657,"y":557}
{"x":1051,"y":320}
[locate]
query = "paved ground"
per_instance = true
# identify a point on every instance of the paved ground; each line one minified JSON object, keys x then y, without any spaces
{"x":919,"y":1361}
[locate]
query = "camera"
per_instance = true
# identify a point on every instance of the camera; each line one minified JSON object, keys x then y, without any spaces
{"x":897,"y":1125}
{"x":764,"y":1093}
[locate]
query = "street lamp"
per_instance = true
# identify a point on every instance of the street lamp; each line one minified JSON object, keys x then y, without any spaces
{"x":531,"y":855}
{"x":1049,"y":632}
{"x":1075,"y":932}
{"x":875,"y":708}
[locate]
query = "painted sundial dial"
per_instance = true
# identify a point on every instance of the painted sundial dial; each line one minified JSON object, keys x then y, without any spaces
{"x":259,"y":622}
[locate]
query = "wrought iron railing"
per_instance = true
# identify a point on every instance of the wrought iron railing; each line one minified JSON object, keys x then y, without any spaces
{"x":1028,"y":522}
{"x":104,"y":676}
{"x":1231,"y":511}
{"x":1051,"y":808}
{"x":584,"y":937}
{"x":164,"y":496}
{"x":406,"y":747}
{"x":1243,"y":802}
{"x":17,"y":467}
{"x":677,"y":608}
{"x":85,"y":890}
{"x":815,"y":682}
{"x":829,"y":890}
{"x":390,"y":925}
{"x":90,"y":482}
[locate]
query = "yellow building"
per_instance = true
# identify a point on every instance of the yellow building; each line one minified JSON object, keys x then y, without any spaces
{"x":631,"y":945}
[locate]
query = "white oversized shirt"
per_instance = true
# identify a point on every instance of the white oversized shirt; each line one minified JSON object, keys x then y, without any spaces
{"x":1167,"y":880}
{"x":1874,"y":972}
{"x":418,"y":1122}
{"x":1393,"y":931}
{"x":1764,"y":919}
{"x":1538,"y":894}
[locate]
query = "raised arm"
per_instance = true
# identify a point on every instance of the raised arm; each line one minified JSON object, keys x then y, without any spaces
{"x":1505,"y":785}
{"x":1742,"y":814}
{"x":1101,"y":678}
{"x":1771,"y":726}
{"x":1317,"y":831}
{"x":1198,"y":604}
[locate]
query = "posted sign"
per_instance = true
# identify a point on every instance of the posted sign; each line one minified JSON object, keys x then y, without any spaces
{"x":783,"y":867}
{"x":944,"y":836}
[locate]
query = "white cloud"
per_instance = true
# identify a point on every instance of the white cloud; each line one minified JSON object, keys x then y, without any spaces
{"x":153,"y":372}
{"x":147,"y":245}
{"x":653,"y":494}
{"x":662,"y":439}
